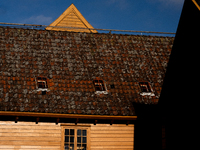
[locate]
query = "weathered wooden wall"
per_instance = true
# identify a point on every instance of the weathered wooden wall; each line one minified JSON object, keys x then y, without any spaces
{"x":108,"y":137}
{"x":43,"y":136}
{"x":29,"y":135}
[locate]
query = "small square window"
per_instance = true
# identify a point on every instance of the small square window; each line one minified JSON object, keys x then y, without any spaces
{"x":42,"y":83}
{"x":99,"y":85}
{"x":145,"y":87}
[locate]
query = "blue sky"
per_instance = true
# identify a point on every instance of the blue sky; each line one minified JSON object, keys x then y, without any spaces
{"x":140,"y":15}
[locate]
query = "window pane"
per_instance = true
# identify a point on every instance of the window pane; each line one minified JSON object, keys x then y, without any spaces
{"x":43,"y":78}
{"x":84,"y":139}
{"x":79,"y":147}
{"x":95,"y":81}
{"x":71,"y":146}
{"x":79,"y":132}
{"x":84,"y":147}
{"x":66,"y":138}
{"x":78,"y":139}
{"x":144,"y":89}
{"x":97,"y":88}
{"x":71,"y":139}
{"x":84,"y":133}
{"x":66,"y":131}
{"x":41,"y":85}
{"x":66,"y":146}
{"x":71,"y":131}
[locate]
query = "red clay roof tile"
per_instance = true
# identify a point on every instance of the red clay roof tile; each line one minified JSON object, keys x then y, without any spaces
{"x":71,"y":61}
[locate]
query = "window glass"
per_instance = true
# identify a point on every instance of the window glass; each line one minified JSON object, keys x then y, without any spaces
{"x":84,"y":132}
{"x":69,"y":139}
{"x":42,"y":82}
{"x":78,"y":139}
{"x":81,"y":139}
{"x":78,"y":132}
{"x":66,"y":138}
{"x":66,"y":131}
{"x":75,"y":139}
{"x":84,"y":147}
{"x":84,"y":139}
{"x":71,"y":131}
{"x":99,"y":85}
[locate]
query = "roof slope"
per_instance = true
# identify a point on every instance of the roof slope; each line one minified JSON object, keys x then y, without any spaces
{"x":71,"y":61}
{"x":71,"y":17}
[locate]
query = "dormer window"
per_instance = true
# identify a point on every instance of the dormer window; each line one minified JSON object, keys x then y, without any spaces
{"x":42,"y":82}
{"x":100,"y":86}
{"x":146,"y":89}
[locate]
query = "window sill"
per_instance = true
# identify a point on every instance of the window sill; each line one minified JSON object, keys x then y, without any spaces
{"x":101,"y":92}
{"x":45,"y":89}
{"x":147,"y":93}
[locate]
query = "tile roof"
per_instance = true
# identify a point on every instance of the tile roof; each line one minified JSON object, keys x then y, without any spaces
{"x":71,"y":61}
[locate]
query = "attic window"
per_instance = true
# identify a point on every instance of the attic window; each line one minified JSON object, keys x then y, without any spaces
{"x":42,"y":83}
{"x":99,"y":85}
{"x":146,"y":89}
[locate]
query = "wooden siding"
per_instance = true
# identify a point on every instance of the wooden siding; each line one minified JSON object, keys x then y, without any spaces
{"x":71,"y":17}
{"x":108,"y":137}
{"x":43,"y":136}
{"x":29,"y":135}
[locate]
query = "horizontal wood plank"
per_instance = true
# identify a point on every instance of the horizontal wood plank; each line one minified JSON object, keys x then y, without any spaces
{"x":30,"y":134}
{"x":29,"y":138}
{"x":112,"y":147}
{"x":113,"y":139}
{"x":30,"y":148}
{"x":113,"y":125}
{"x":29,"y":127}
{"x":111,"y":135}
{"x":7,"y":147}
{"x":112,"y":143}
{"x":29,"y":143}
{"x":112,"y":132}
{"x":27,"y":123}
{"x":113,"y":128}
{"x":16,"y":130}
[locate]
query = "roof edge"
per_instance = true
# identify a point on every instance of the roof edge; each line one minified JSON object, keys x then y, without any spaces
{"x":56,"y":115}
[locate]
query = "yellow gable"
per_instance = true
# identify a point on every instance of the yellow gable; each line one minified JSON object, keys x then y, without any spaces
{"x":71,"y":17}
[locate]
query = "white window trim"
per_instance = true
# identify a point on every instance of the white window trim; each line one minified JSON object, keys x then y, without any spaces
{"x":41,"y":89}
{"x":101,"y":92}
{"x":147,"y":93}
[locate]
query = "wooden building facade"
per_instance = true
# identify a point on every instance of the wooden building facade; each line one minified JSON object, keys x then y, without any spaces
{"x":29,"y":135}
{"x":79,"y":90}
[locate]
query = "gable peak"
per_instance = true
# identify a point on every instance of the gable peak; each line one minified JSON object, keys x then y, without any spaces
{"x":70,"y":20}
